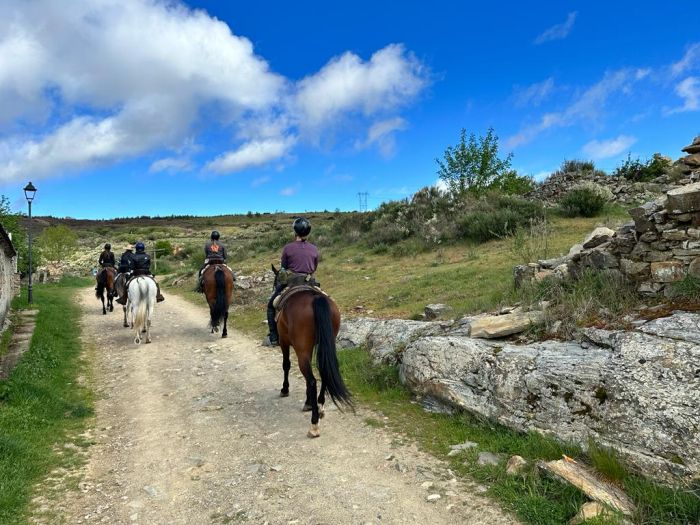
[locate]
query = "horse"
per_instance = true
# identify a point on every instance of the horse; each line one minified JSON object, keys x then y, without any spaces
{"x":308,"y":320}
{"x":218,"y":289}
{"x":105,"y":281}
{"x":142,"y":300}
{"x":120,"y":291}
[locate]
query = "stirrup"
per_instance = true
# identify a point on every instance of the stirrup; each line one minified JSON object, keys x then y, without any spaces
{"x":268,"y":341}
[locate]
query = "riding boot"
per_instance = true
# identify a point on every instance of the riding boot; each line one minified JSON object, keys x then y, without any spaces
{"x":273,"y":336}
{"x":159,"y":296}
{"x":200,"y":285}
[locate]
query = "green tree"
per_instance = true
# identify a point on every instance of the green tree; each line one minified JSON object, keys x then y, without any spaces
{"x":474,"y":166}
{"x":12,"y":222}
{"x":57,"y":242}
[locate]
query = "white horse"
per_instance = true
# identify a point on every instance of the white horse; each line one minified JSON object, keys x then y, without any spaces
{"x":142,"y":300}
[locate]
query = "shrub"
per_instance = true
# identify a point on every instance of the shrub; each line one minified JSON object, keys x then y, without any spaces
{"x":163,"y":248}
{"x":574,"y":165}
{"x":585,"y":200}
{"x":638,"y":171}
{"x":496,"y":216}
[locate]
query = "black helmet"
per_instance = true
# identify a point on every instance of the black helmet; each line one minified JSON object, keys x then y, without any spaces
{"x":302,"y":227}
{"x":140,"y":246}
{"x":215,"y":235}
{"x":108,"y":246}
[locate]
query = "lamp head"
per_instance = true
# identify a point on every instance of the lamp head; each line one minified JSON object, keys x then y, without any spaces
{"x":29,"y":191}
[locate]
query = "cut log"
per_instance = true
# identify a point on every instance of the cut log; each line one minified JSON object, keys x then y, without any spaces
{"x":587,"y":482}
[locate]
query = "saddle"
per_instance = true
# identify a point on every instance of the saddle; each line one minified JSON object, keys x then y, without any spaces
{"x":282,"y":299}
{"x":217,"y":263}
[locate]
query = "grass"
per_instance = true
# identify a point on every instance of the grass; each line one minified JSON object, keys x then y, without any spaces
{"x":532,"y":497}
{"x":42,"y":404}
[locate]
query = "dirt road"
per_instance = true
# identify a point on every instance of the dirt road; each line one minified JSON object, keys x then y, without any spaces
{"x":190,"y":430}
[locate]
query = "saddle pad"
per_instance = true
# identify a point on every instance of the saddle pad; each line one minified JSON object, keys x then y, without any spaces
{"x":281,"y":300}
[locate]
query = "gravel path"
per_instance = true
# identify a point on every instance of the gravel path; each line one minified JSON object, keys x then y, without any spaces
{"x":190,"y":430}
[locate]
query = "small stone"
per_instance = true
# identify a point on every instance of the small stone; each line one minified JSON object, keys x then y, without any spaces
{"x":588,"y":511}
{"x":515,"y":465}
{"x":427,"y":484}
{"x":433,"y":497}
{"x":487,"y":458}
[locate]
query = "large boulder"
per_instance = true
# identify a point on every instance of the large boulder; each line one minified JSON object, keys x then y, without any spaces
{"x":685,"y":199}
{"x":598,"y":236}
{"x":694,"y":147}
{"x":638,"y":393}
{"x":497,"y":326}
{"x":384,"y":338}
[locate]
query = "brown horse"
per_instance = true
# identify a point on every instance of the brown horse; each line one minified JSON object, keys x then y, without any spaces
{"x":218,"y":289}
{"x":309,"y":320}
{"x":105,"y":281}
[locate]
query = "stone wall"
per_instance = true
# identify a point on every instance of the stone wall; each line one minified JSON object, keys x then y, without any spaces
{"x":9,"y":278}
{"x":658,"y":248}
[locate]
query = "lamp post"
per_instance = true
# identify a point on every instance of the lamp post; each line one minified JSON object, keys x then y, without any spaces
{"x":29,"y":191}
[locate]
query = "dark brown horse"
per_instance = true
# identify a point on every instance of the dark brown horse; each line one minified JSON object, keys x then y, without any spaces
{"x":309,"y":320}
{"x":218,"y":289}
{"x":105,"y":282}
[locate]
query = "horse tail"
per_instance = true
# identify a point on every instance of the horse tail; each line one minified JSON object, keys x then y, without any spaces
{"x":101,"y":283}
{"x":141,"y":305}
{"x":219,"y":308}
{"x":326,"y":358}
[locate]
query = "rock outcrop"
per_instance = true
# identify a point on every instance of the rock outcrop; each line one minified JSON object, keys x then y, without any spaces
{"x":635,"y":391}
{"x":638,"y":392}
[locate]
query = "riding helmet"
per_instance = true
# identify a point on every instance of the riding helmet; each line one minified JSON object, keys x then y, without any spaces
{"x":302,"y":227}
{"x":140,"y":246}
{"x":215,"y":235}
{"x":108,"y":246}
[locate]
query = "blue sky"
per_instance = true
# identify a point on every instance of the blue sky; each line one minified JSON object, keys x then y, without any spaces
{"x":140,"y":107}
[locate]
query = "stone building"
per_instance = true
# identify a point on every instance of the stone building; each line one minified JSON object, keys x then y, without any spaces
{"x":9,"y":277}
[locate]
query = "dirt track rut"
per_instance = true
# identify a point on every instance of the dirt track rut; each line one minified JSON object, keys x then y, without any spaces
{"x":190,"y":430}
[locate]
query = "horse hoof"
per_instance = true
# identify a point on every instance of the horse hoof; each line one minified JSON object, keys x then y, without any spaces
{"x":223,"y":336}
{"x":306,"y":408}
{"x":284,"y":393}
{"x":313,"y":432}
{"x":148,"y":341}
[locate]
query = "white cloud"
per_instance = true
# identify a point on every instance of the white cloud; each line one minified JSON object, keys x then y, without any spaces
{"x":249,"y":155}
{"x":689,"y":91}
{"x":534,"y":94}
{"x":604,"y":149}
{"x":391,"y":78}
{"x":690,"y":60}
{"x":171,"y":165}
{"x":589,"y":106}
{"x":108,"y":80}
{"x":259,"y":181}
{"x":290,"y":191}
{"x":558,"y":31}
{"x":381,"y":134}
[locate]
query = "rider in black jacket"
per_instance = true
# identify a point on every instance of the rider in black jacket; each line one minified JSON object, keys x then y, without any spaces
{"x":140,"y":264}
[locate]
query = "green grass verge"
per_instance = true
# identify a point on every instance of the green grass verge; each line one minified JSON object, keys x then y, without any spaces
{"x":532,"y":497}
{"x":42,"y":404}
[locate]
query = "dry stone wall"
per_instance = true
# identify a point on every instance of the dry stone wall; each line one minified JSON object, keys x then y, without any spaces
{"x":659,"y":247}
{"x":9,"y":278}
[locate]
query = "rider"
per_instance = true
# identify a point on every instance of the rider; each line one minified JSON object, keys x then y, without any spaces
{"x":107,"y":256}
{"x":106,"y":259}
{"x":123,"y":269}
{"x":141,"y":265}
{"x":299,"y":257}
{"x":214,"y":253}
{"x":138,"y":263}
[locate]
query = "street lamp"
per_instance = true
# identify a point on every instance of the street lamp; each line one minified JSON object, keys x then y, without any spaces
{"x":29,"y":191}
